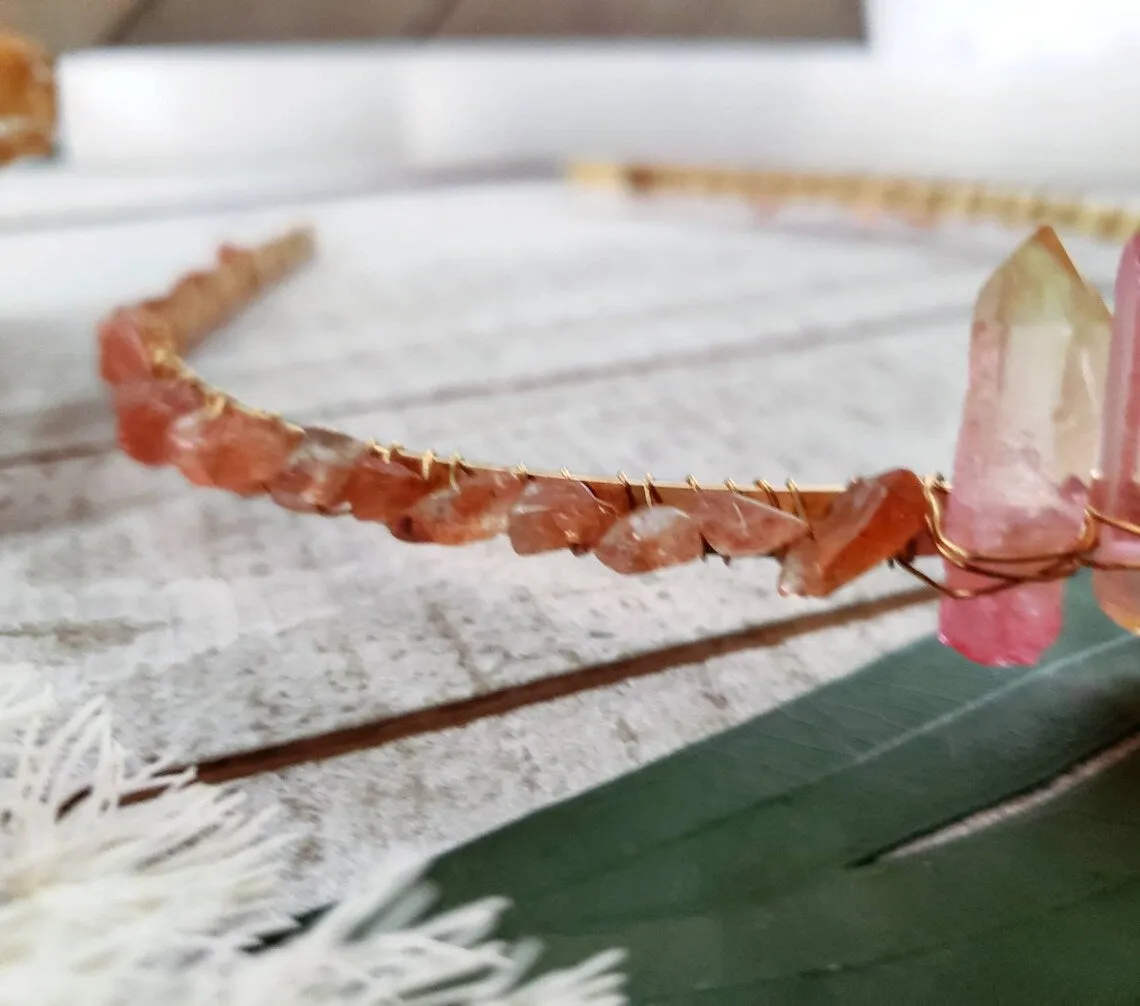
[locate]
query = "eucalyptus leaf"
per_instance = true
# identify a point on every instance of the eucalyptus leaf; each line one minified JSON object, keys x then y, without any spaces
{"x":1042,"y":907}
{"x":754,"y":868}
{"x":914,"y":741}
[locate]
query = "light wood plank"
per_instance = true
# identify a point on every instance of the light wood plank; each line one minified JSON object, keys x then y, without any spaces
{"x":434,"y":791}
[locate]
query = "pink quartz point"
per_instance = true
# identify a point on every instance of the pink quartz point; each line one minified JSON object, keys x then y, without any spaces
{"x":1026,"y":447}
{"x":1117,"y":491}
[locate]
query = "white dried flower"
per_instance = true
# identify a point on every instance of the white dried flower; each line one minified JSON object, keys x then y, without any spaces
{"x":158,"y":901}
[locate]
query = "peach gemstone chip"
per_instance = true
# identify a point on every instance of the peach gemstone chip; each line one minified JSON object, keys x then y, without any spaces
{"x":736,"y":526}
{"x":870,"y":522}
{"x":1027,"y":445}
{"x":317,"y":472}
{"x":129,"y":341}
{"x":231,"y":449}
{"x":478,"y":507}
{"x":381,"y":489}
{"x":558,"y":513}
{"x":146,"y":410}
{"x":649,"y":539}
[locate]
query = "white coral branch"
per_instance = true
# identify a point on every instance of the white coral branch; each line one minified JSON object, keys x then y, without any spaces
{"x":158,"y":901}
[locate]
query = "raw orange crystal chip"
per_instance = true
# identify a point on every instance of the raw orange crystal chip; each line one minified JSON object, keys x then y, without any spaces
{"x":317,"y":472}
{"x":231,"y":449}
{"x":870,"y":522}
{"x":558,"y":513}
{"x":736,"y":526}
{"x":146,"y":410}
{"x":476,"y":508}
{"x":381,"y":489}
{"x":649,"y":539}
{"x":128,"y":343}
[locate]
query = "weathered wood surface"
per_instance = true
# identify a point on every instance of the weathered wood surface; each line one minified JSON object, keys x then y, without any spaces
{"x":511,"y":323}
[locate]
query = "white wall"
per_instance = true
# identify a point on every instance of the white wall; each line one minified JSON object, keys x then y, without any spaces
{"x":1003,"y":32}
{"x":825,"y":108}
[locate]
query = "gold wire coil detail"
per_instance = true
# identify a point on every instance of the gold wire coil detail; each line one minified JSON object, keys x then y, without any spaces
{"x":1008,"y":571}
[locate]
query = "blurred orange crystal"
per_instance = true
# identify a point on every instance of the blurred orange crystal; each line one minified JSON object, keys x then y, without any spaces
{"x":317,"y":472}
{"x":129,"y":341}
{"x":28,"y":106}
{"x":229,"y":448}
{"x":146,"y":410}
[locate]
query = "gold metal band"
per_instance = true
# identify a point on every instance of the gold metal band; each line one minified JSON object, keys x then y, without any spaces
{"x":918,"y":200}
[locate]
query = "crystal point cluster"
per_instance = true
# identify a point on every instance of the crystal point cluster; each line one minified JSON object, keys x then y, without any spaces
{"x":1026,"y":446}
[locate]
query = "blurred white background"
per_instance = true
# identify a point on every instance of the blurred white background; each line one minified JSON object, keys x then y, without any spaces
{"x":1020,"y":33}
{"x":1027,"y":91}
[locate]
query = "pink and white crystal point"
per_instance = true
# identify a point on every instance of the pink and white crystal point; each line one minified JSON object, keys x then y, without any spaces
{"x":1117,"y":489}
{"x":1026,"y":447}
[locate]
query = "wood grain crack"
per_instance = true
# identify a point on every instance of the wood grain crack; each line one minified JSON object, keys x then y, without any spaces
{"x":377,"y":733}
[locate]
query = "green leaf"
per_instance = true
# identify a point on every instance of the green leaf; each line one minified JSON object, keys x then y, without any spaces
{"x":912,"y":742}
{"x":1045,"y":901}
{"x":747,"y":869}
{"x":750,"y":869}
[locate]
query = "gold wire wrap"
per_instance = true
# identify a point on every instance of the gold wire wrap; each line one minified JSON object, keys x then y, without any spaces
{"x":923,"y":200}
{"x":1007,"y":571}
